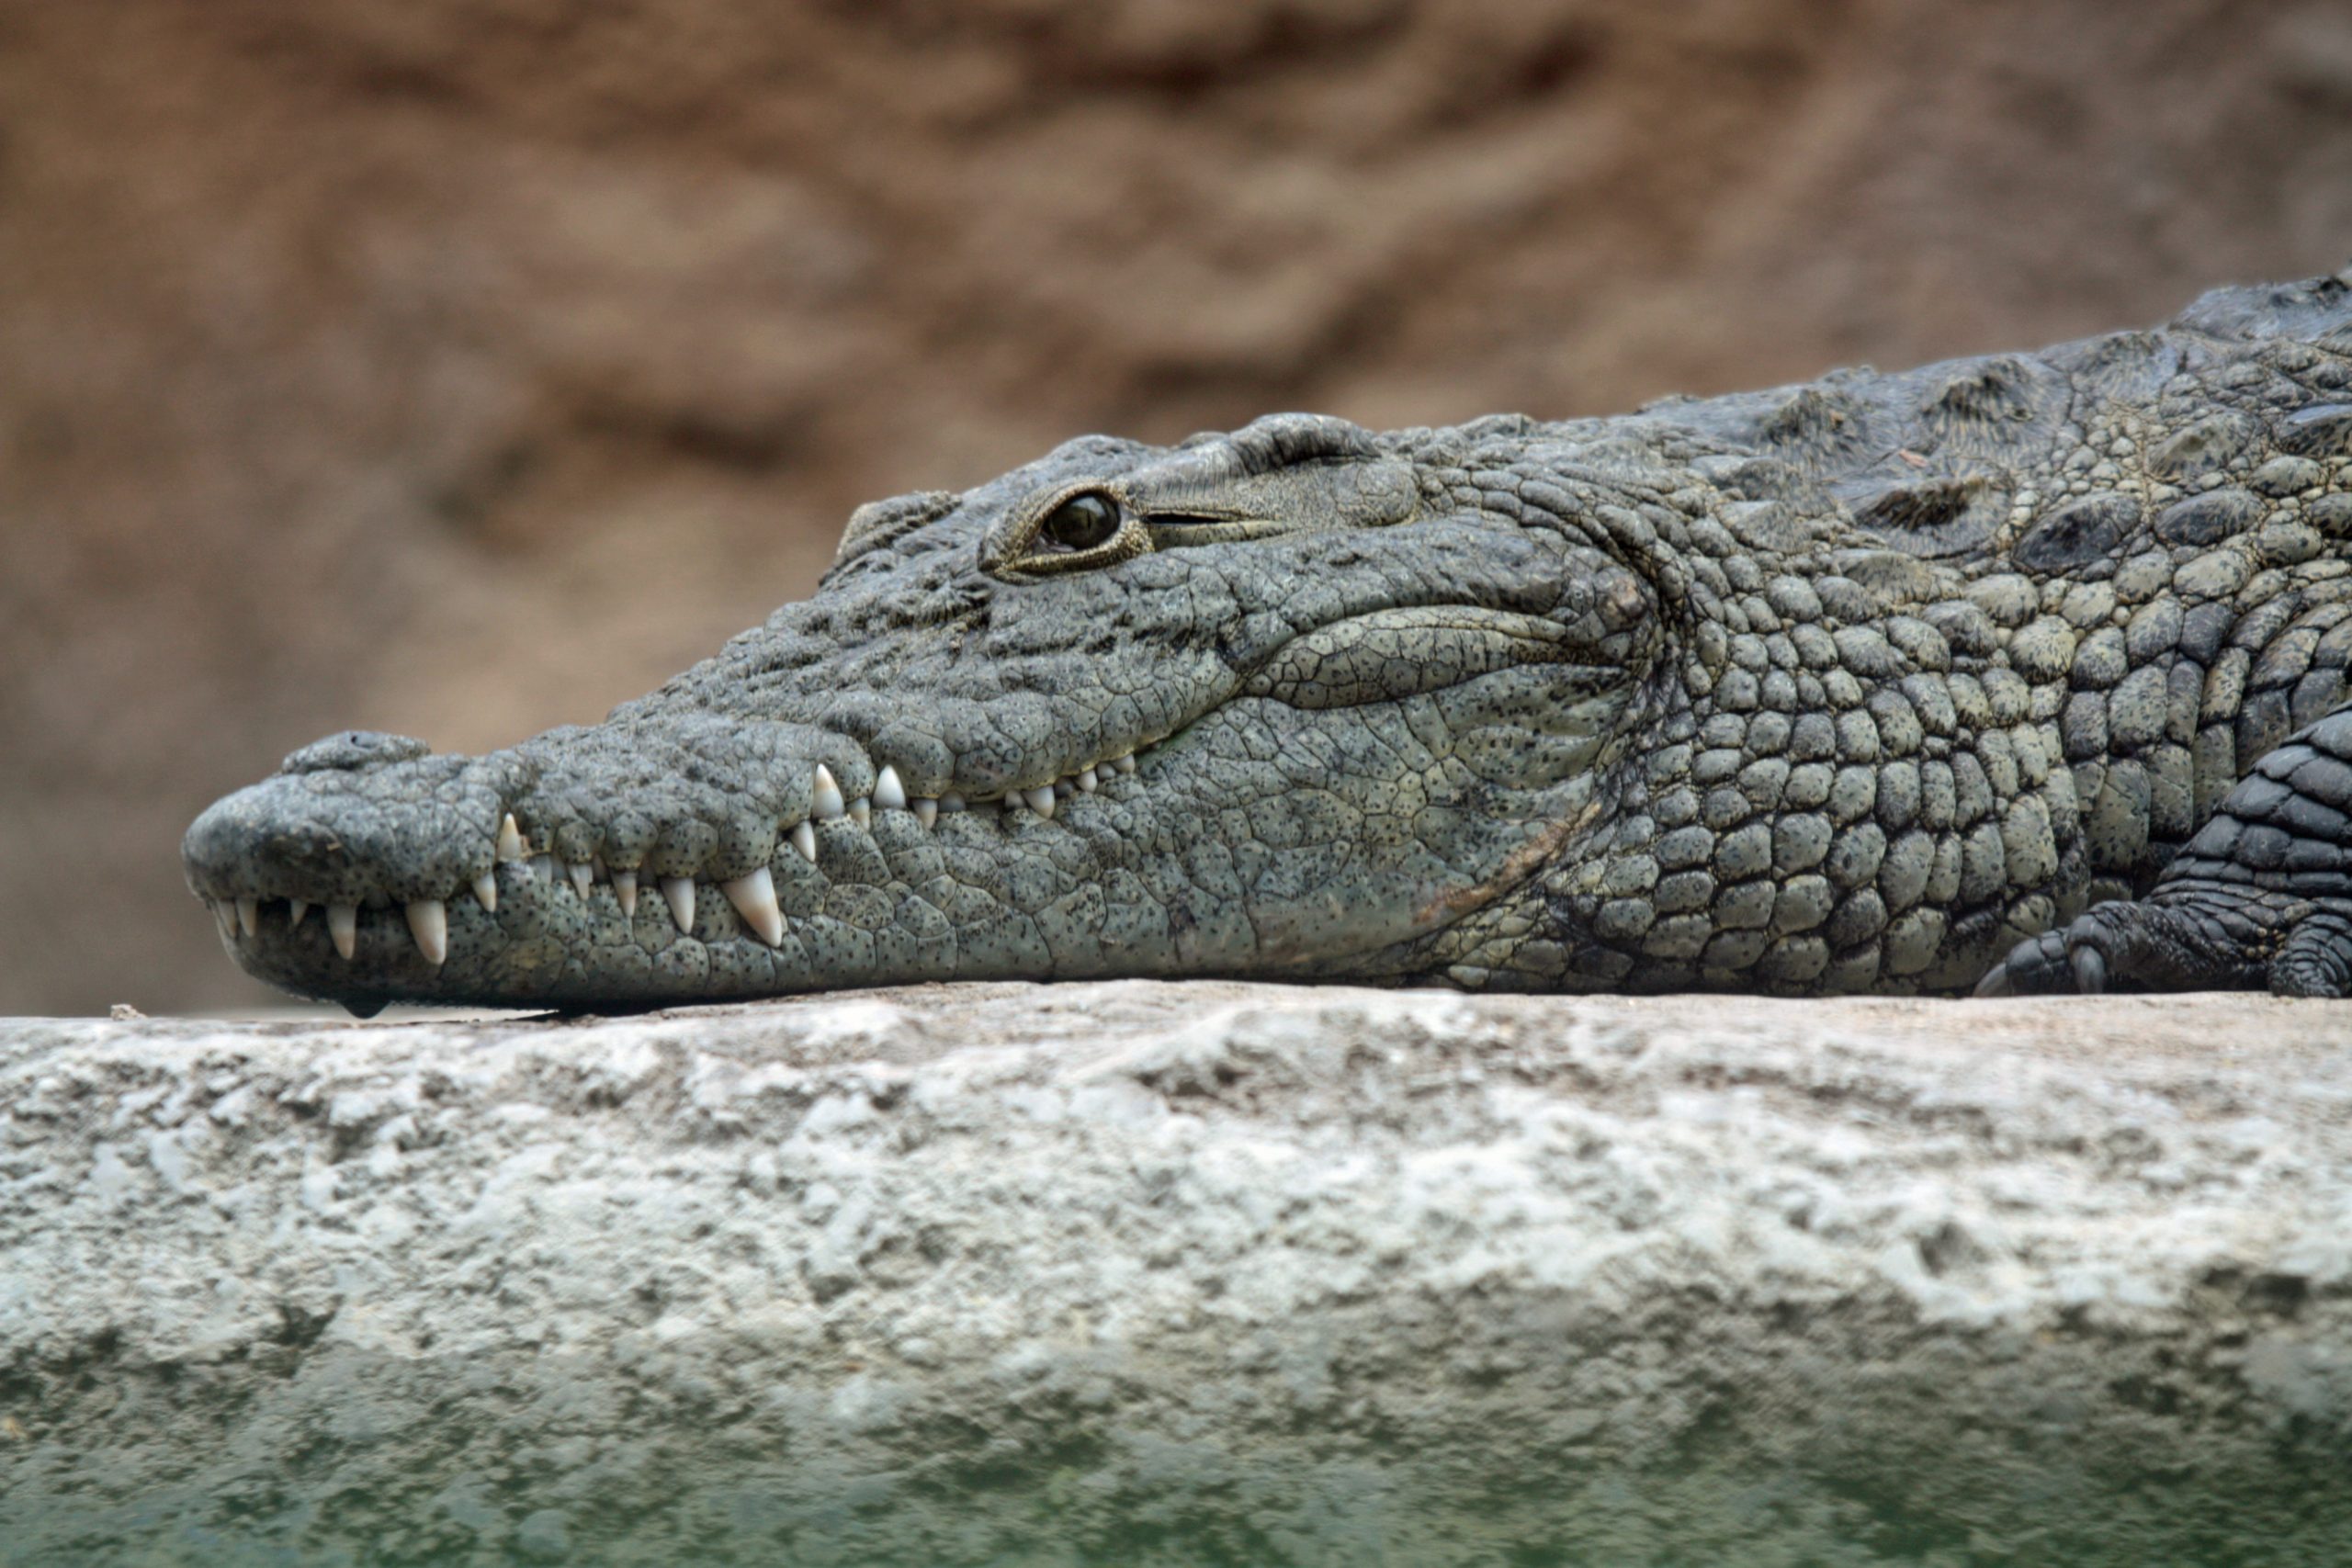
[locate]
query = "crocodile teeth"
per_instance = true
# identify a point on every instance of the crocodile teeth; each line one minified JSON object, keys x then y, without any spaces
{"x":951,"y":801}
{"x":486,"y":891}
{"x":1125,"y":765}
{"x":624,"y":889}
{"x":343,"y":924}
{"x":754,"y":899}
{"x":861,"y":811}
{"x":581,"y":878}
{"x":1040,"y":800}
{"x":226,"y":915}
{"x":804,"y":838}
{"x":249,"y":916}
{"x":1087,"y":780}
{"x":926,"y":811}
{"x":680,"y":892}
{"x":295,"y":909}
{"x":543,"y":867}
{"x":825,"y":796}
{"x":509,"y":839}
{"x":428,"y":922}
{"x":889,"y":792}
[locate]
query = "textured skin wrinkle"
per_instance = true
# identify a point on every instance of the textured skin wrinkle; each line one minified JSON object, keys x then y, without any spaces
{"x":2027,"y":671}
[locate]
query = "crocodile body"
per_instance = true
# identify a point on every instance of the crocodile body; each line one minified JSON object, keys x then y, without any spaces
{"x":2024,"y":671}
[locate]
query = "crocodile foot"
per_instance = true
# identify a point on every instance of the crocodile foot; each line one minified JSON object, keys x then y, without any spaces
{"x":2246,"y":943}
{"x":2261,"y":899}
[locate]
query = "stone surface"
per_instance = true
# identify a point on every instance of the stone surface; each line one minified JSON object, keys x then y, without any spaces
{"x":1155,"y":1273}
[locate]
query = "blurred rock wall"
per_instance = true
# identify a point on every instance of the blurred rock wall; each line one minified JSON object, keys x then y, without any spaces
{"x":464,"y":367}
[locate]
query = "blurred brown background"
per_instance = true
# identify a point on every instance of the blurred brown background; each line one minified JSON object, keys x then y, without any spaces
{"x":461,"y":367}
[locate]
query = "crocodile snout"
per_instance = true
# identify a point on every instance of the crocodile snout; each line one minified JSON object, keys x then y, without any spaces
{"x":482,"y":877}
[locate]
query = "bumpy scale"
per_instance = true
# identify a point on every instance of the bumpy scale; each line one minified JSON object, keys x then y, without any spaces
{"x":2020,"y":673}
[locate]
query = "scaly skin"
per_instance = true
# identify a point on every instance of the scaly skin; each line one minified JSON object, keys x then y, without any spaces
{"x":1854,"y":686}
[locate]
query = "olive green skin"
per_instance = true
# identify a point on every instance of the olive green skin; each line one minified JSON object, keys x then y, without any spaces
{"x":1850,"y":686}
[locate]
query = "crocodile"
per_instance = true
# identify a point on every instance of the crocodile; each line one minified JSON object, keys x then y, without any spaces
{"x":2020,"y":673}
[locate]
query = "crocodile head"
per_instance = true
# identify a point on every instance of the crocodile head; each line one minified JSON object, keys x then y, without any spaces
{"x":1277,"y":703}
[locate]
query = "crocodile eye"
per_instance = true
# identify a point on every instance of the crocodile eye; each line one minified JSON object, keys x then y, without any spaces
{"x":1081,"y":523}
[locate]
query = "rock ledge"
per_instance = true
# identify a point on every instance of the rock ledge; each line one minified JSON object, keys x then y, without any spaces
{"x":1170,"y":1273}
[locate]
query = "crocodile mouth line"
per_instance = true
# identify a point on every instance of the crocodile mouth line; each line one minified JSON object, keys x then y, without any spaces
{"x":753,"y":895}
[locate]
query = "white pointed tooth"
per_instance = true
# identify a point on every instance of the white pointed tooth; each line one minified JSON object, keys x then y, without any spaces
{"x":1125,"y":765}
{"x":951,"y":801}
{"x":889,"y":792}
{"x":624,"y":889}
{"x":343,"y":924}
{"x":804,"y":838}
{"x":543,"y":867}
{"x":754,"y":899}
{"x":926,"y":811}
{"x":680,"y":892}
{"x":582,"y":877}
{"x":295,"y":909}
{"x":1041,"y":799}
{"x":1087,"y":781}
{"x":825,"y":796}
{"x":428,"y":922}
{"x":485,"y":890}
{"x":249,"y":915}
{"x":861,"y":811}
{"x":509,"y":839}
{"x":226,"y":915}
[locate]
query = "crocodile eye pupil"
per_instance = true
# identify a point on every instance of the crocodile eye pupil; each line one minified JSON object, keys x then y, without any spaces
{"x":1082,"y":521}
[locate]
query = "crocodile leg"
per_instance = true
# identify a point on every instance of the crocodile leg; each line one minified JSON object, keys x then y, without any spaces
{"x":2261,"y":899}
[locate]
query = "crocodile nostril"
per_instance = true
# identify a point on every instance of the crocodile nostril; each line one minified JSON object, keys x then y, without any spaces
{"x":355,"y":748}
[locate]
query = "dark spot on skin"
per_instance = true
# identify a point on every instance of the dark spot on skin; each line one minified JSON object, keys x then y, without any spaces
{"x":2205,"y":519}
{"x":2085,"y":529}
{"x":2201,"y":448}
{"x":2322,"y":432}
{"x":1935,"y":517}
